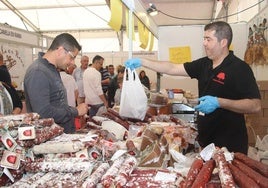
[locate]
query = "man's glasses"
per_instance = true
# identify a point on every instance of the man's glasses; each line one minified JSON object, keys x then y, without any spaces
{"x":70,"y":53}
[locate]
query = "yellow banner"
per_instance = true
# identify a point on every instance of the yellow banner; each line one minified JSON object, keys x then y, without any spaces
{"x":116,"y":14}
{"x":127,"y":25}
{"x":180,"y":54}
{"x":143,"y":34}
{"x":151,"y":42}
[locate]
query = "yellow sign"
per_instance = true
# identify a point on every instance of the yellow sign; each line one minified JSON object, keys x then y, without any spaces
{"x":116,"y":15}
{"x":180,"y":54}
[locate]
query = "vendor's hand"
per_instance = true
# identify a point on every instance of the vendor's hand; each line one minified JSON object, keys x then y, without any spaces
{"x":207,"y":104}
{"x":133,"y":63}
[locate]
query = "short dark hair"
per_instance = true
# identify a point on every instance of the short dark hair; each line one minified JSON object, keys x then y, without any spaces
{"x":66,"y":40}
{"x":96,"y":58}
{"x":222,"y":31}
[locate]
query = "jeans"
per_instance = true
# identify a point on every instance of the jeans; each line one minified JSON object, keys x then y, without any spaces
{"x":94,"y":109}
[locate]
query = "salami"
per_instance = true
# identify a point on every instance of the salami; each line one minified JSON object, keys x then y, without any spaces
{"x":225,"y":174}
{"x":257,"y":177}
{"x":107,"y":179}
{"x":204,"y":175}
{"x":125,"y":170}
{"x":95,"y":177}
{"x":256,"y":165}
{"x":241,"y":179}
{"x":193,"y":172}
{"x":63,"y":165}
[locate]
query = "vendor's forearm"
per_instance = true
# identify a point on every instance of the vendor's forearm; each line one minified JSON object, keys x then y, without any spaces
{"x":241,"y":106}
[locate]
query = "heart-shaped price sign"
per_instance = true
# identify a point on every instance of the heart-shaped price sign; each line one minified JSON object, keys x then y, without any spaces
{"x":10,"y":160}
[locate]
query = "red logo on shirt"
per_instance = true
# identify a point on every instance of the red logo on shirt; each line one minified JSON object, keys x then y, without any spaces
{"x":220,"y":78}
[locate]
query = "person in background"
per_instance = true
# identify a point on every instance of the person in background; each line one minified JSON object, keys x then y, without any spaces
{"x":70,"y":86}
{"x":78,"y":76}
{"x":95,"y":97}
{"x":105,"y":78}
{"x":117,"y":96}
{"x":113,"y":86}
{"x":145,"y":79}
{"x":4,"y":73}
{"x":44,"y":91}
{"x":5,"y":101}
{"x":111,"y":71}
{"x":16,"y":101}
{"x":70,"y":69}
{"x":5,"y":79}
{"x":227,"y":89}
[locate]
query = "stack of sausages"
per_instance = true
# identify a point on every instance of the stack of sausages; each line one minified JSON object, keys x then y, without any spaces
{"x":242,"y":171}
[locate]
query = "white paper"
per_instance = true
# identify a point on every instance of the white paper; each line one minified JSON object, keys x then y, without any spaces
{"x":207,"y":152}
{"x":165,"y":177}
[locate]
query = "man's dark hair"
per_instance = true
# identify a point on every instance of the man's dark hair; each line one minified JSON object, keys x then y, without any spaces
{"x":96,"y":58}
{"x":67,"y":41}
{"x":222,"y":31}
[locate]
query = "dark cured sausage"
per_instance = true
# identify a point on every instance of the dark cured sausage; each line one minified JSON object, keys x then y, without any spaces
{"x":257,"y":177}
{"x":193,"y":172}
{"x":204,"y":175}
{"x":256,"y":165}
{"x":241,"y":179}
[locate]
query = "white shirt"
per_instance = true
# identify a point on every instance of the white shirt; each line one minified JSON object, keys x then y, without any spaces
{"x":70,"y":86}
{"x":92,"y":86}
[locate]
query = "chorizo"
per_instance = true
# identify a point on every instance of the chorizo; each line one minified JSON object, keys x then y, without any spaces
{"x":241,"y":179}
{"x":256,"y":165}
{"x":193,"y":172}
{"x":204,"y":175}
{"x":257,"y":177}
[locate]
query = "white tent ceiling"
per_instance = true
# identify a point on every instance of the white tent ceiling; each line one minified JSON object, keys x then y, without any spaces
{"x":89,"y":18}
{"x":67,"y":15}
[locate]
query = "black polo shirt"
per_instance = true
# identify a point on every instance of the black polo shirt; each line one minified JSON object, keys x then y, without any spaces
{"x":232,"y":79}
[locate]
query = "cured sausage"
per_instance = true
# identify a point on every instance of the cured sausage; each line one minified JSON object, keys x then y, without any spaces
{"x":107,"y":179}
{"x":95,"y":177}
{"x":241,"y":179}
{"x":256,"y":165}
{"x":204,"y":175}
{"x":225,"y":174}
{"x":125,"y":170}
{"x":257,"y":177}
{"x":193,"y":172}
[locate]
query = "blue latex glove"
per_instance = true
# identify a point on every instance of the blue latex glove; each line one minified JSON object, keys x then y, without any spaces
{"x":207,"y":104}
{"x":133,"y":63}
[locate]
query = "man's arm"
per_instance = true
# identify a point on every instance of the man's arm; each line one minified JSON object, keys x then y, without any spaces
{"x":246,"y":106}
{"x":165,"y":67}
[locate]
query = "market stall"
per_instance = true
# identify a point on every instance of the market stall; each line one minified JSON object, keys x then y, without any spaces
{"x":108,"y":151}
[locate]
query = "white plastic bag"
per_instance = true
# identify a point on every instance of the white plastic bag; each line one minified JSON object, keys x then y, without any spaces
{"x":133,"y":102}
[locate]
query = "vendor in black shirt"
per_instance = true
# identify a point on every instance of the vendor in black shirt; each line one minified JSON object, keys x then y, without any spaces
{"x":226,"y":85}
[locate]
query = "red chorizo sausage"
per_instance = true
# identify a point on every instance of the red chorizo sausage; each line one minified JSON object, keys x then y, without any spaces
{"x":204,"y":175}
{"x":193,"y":172}
{"x":256,"y":165}
{"x":257,"y":177}
{"x":241,"y":179}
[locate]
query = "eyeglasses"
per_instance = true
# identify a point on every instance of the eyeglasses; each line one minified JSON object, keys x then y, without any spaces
{"x":70,"y":53}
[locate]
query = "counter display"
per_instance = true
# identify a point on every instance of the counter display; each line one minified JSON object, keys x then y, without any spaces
{"x":160,"y":151}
